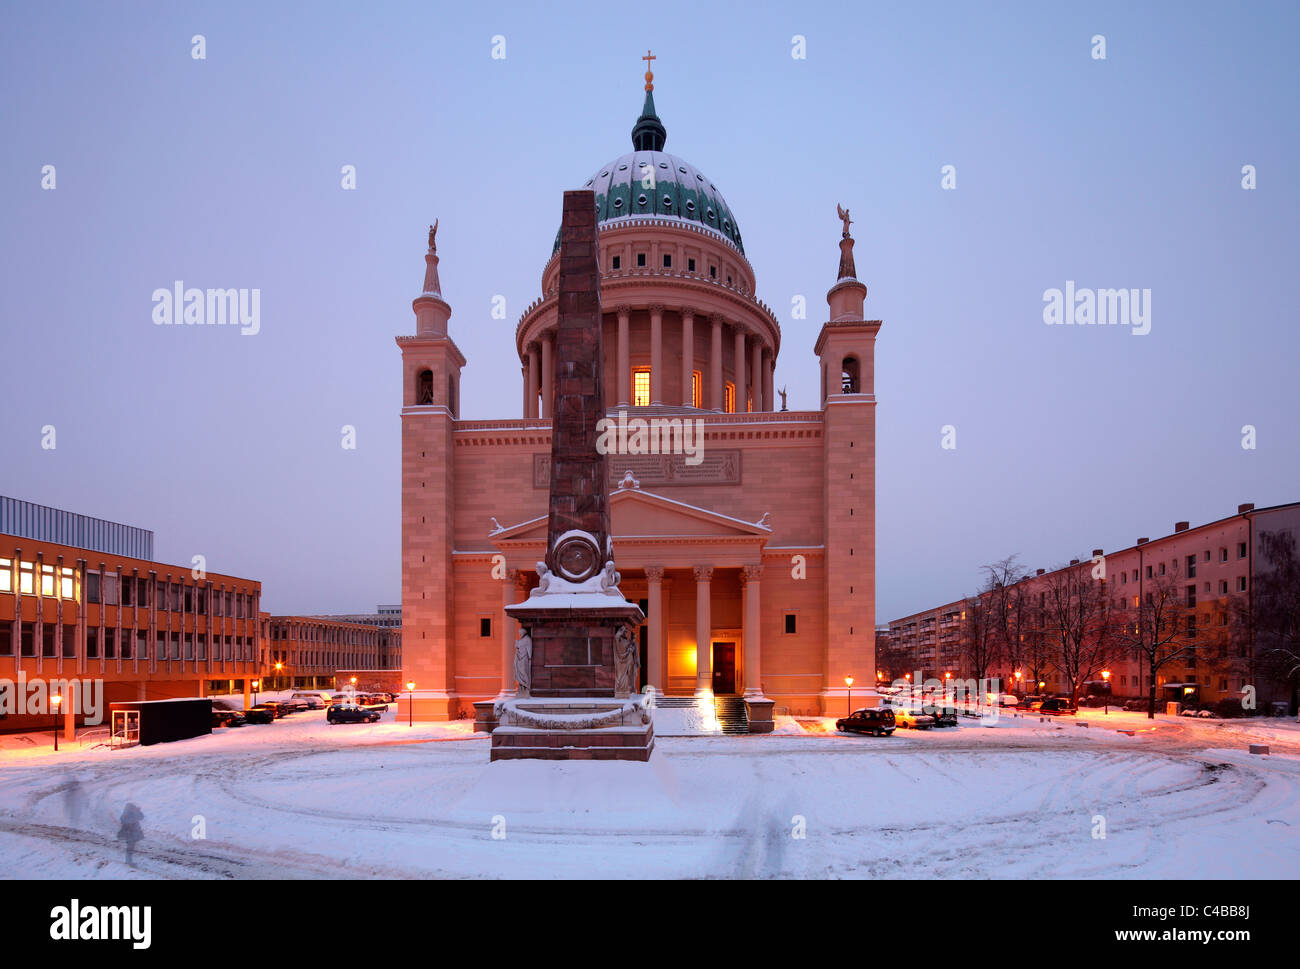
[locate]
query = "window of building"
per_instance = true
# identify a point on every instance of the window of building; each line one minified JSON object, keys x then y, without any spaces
{"x":6,"y":575}
{"x":1148,"y":571}
{"x":26,"y":581}
{"x":729,"y":397}
{"x":27,"y":644}
{"x":47,"y":580}
{"x":791,"y":623}
{"x":1241,"y":550}
{"x":1162,"y":568}
{"x":92,"y":643}
{"x":92,"y":587}
{"x":128,"y":590}
{"x":668,"y":260}
{"x":47,"y":640}
{"x":485,"y":626}
{"x":1191,"y":595}
{"x":1223,"y":555}
{"x":1223,"y":587}
{"x":640,"y":259}
{"x":690,"y":265}
{"x":713,"y":272}
{"x":641,"y":387}
{"x":1241,"y":583}
{"x":1207,"y":555}
{"x":110,"y":643}
{"x":617,"y":262}
{"x":697,"y":389}
{"x":1191,"y":566}
{"x":6,"y":639}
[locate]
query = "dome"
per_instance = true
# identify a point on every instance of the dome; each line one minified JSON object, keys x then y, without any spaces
{"x":680,"y":192}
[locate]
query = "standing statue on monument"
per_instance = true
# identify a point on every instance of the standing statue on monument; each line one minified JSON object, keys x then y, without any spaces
{"x":523,"y":663}
{"x":844,"y":216}
{"x":627,"y":663}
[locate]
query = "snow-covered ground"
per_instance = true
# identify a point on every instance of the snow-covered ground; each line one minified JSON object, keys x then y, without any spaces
{"x":1017,"y":799}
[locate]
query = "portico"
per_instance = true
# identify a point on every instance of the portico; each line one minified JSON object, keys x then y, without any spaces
{"x":698,"y":577}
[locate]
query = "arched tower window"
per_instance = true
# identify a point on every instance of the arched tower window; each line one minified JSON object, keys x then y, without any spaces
{"x":850,"y":382}
{"x":424,"y":387}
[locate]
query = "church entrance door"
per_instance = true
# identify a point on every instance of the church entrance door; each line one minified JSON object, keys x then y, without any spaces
{"x":724,"y":669}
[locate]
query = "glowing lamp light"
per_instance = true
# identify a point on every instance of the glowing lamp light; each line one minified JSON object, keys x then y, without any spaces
{"x":908,"y":677}
{"x":848,"y":681}
{"x":1105,"y":675}
{"x":410,"y":685}
{"x":56,"y":700}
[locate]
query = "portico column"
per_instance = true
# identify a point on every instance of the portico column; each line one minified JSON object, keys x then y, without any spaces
{"x":656,"y":354}
{"x":715,"y":366}
{"x":688,"y":357}
{"x":509,"y":587}
{"x":703,"y":631}
{"x":624,"y":358}
{"x":756,"y":374}
{"x":548,"y":374}
{"x":749,"y":578}
{"x":655,"y":660}
{"x":738,"y":356}
{"x":530,"y":409}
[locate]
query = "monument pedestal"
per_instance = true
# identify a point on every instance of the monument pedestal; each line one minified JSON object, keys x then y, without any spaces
{"x":573,"y":729}
{"x":575,"y":705}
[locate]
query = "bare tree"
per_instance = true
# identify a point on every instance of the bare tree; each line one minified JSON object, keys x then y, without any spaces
{"x":1155,"y":631}
{"x":979,"y":644}
{"x":1273,"y":617}
{"x":1079,"y":624}
{"x":1009,"y":610}
{"x":1037,"y":650}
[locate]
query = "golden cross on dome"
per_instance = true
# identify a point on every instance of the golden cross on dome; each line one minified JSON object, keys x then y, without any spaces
{"x":649,"y":74}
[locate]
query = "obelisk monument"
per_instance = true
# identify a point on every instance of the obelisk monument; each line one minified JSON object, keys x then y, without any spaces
{"x":577,"y":662}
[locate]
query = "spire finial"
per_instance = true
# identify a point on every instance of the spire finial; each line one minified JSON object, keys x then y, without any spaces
{"x":433,"y":231}
{"x":648,"y":134}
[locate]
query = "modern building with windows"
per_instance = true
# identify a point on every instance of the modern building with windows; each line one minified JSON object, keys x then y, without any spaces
{"x":754,"y":560}
{"x":310,"y":651}
{"x":147,"y":630}
{"x":1209,"y":571}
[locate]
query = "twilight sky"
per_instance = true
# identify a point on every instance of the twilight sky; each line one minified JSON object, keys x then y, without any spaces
{"x":225,"y":172}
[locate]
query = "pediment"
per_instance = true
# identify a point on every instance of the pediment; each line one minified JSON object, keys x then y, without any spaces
{"x":643,"y":514}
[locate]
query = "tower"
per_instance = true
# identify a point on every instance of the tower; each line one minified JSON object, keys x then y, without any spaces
{"x":846,"y":348}
{"x":431,"y":365}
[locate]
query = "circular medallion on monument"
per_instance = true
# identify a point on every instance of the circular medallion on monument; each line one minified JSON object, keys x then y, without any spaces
{"x":577,"y":556}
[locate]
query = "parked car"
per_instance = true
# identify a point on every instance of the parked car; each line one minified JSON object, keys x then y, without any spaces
{"x":944,"y":716}
{"x":873,"y":720}
{"x":372,"y":701}
{"x":221,"y":717}
{"x":314,"y":701}
{"x":294,"y":705}
{"x":1009,"y":700}
{"x":278,"y":709}
{"x":347,"y":713}
{"x":1057,"y":706}
{"x":912,"y":719}
{"x":259,"y":714}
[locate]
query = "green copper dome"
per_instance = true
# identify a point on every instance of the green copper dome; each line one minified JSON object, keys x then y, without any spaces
{"x":649,"y":183}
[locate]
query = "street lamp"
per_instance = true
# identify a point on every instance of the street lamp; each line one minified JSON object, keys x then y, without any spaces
{"x":256,"y":684}
{"x":1019,"y":684}
{"x":1105,"y":675}
{"x":54,"y":702}
{"x":279,"y":668}
{"x":848,"y":682}
{"x":410,"y":689}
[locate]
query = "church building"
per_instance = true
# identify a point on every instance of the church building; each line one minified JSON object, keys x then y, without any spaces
{"x":753,"y":557}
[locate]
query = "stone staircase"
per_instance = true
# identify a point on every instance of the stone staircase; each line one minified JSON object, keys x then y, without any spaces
{"x":731,"y":714}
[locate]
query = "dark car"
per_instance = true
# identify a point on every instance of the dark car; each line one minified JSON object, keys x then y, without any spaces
{"x":878,"y":721}
{"x":1057,"y":705}
{"x":222,"y":717}
{"x":347,"y":713}
{"x":944,"y":716}
{"x":294,"y":705}
{"x":372,"y":701}
{"x":259,"y":714}
{"x":278,"y":709}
